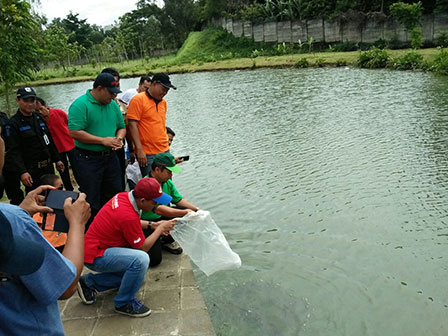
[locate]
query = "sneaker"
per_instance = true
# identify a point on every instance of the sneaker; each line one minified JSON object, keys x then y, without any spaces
{"x":173,"y":247}
{"x":135,"y":309}
{"x":87,"y":294}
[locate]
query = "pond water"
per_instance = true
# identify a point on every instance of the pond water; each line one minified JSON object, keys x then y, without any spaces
{"x":332,"y":186}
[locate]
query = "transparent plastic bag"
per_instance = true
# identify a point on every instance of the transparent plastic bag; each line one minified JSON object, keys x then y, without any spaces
{"x":133,"y":172}
{"x":203,"y":241}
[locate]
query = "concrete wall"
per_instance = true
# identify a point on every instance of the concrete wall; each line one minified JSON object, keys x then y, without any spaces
{"x":331,"y":31}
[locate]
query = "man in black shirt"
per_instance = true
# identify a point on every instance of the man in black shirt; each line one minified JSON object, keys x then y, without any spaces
{"x":30,"y":150}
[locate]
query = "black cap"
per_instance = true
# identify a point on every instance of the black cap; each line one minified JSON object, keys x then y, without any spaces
{"x":163,"y":79}
{"x":25,"y":92}
{"x":106,"y":80}
{"x":18,"y":256}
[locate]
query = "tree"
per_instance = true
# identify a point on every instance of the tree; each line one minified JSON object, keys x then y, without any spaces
{"x":410,"y":16}
{"x":19,"y":51}
{"x":59,"y":48}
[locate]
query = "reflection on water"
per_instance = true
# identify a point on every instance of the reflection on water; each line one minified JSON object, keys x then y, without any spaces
{"x":331,"y":184}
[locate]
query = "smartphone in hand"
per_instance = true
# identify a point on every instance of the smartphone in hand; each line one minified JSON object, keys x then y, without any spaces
{"x":55,"y":199}
{"x":185,"y":158}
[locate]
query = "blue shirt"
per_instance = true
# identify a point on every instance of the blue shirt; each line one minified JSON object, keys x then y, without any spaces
{"x":28,"y":304}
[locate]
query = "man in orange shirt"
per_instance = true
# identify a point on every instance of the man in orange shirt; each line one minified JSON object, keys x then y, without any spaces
{"x":146,"y":121}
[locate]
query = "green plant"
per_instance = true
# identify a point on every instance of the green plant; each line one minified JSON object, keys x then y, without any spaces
{"x":381,"y":44}
{"x":344,"y":46}
{"x":442,"y":39}
{"x":320,"y":62}
{"x":440,"y":64}
{"x":416,"y":37}
{"x":373,"y":58}
{"x":412,"y":60}
{"x":341,"y":63}
{"x":409,"y":15}
{"x":254,"y":65}
{"x":302,"y":63}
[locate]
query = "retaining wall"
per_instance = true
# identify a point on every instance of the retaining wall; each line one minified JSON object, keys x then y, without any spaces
{"x":367,"y":30}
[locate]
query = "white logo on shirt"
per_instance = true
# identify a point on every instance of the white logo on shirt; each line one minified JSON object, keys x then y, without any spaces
{"x":138,"y":240}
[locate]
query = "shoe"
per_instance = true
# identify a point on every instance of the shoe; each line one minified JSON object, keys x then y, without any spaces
{"x":173,"y":247}
{"x":87,"y":294}
{"x":135,"y":309}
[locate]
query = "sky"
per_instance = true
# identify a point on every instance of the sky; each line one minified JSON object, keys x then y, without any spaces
{"x":99,"y":12}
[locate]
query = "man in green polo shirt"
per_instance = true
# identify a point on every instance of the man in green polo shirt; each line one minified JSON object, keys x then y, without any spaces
{"x":162,"y":170}
{"x":96,"y":123}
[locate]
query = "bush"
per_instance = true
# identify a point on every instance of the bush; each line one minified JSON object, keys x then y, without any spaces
{"x":381,"y":44}
{"x":442,"y":39}
{"x":302,"y":63}
{"x":344,"y":46}
{"x":410,"y":61}
{"x":416,"y":38}
{"x":373,"y":58}
{"x":440,"y":64}
{"x":341,"y":63}
{"x":320,"y":62}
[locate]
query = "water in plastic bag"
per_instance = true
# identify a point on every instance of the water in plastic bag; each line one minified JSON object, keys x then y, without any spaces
{"x":203,"y":241}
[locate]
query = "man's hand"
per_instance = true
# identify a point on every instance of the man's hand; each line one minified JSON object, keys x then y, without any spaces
{"x":178,"y":159}
{"x":164,"y":226}
{"x":34,"y":201}
{"x":60,"y":166}
{"x":112,"y":142}
{"x":141,"y":157}
{"x":77,"y":213}
{"x":26,"y":179}
{"x":131,"y":157}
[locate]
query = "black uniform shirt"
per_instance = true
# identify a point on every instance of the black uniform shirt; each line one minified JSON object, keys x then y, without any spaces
{"x":28,"y":141}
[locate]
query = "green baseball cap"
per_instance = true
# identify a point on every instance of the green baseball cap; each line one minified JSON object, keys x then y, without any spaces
{"x":167,"y":161}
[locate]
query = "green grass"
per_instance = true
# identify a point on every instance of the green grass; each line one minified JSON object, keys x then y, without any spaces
{"x":213,"y":49}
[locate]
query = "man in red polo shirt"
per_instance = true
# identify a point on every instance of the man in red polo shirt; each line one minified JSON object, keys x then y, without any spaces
{"x":116,"y":248}
{"x":57,"y":121}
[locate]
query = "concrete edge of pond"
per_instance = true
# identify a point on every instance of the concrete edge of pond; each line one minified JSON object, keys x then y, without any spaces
{"x":170,"y":290}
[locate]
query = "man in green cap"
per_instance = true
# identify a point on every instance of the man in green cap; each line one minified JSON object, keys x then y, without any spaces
{"x":162,"y":169}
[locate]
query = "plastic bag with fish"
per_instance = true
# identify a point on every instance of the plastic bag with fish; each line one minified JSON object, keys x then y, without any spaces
{"x":203,"y":241}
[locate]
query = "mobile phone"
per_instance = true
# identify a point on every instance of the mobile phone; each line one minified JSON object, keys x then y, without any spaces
{"x":185,"y":158}
{"x":56,"y":221}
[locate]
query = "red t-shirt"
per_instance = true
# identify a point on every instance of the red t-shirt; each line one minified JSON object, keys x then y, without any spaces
{"x":117,"y":224}
{"x":58,"y":126}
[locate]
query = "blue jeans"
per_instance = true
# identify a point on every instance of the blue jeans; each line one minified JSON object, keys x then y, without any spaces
{"x":146,"y":169}
{"x":98,"y":176}
{"x":122,"y":268}
{"x":149,"y":158}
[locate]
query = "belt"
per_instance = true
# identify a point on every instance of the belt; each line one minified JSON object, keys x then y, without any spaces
{"x":43,"y":164}
{"x":94,"y":153}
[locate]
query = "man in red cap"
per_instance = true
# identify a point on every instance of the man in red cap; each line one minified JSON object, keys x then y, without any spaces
{"x":116,"y":247}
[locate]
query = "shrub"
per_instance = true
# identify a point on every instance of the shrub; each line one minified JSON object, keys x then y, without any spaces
{"x":344,"y":46}
{"x":440,"y":64}
{"x":320,"y":62}
{"x":381,"y":44}
{"x":302,"y":63}
{"x":442,"y":39}
{"x":416,"y":38}
{"x":410,"y":61}
{"x":373,"y":58}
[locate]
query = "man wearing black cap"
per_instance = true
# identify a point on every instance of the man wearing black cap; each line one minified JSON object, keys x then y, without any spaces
{"x":33,"y":275}
{"x":30,"y":150}
{"x":96,"y":123}
{"x":146,"y":117}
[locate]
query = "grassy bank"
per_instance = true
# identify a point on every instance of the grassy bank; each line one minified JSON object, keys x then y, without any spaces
{"x":215,"y":49}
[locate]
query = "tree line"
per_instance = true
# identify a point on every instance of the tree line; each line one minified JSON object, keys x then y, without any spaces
{"x":30,"y":41}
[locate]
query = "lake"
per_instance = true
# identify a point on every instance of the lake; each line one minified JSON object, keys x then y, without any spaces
{"x":332,"y":186}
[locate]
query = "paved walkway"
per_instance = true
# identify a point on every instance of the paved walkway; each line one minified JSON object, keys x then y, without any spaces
{"x":170,"y":290}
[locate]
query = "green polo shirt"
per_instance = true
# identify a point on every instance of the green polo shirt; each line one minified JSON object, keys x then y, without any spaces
{"x":86,"y":114}
{"x":168,"y":188}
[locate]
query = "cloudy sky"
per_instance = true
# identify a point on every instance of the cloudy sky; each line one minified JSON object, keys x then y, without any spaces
{"x":100,"y":12}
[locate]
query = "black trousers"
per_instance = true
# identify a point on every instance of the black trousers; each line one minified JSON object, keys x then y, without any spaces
{"x":66,"y":157}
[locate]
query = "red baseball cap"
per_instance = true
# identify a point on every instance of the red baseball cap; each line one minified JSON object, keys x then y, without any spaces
{"x":149,"y":188}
